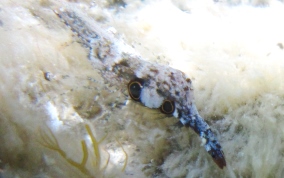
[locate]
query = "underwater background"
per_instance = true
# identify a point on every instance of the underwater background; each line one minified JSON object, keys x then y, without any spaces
{"x":58,"y":120}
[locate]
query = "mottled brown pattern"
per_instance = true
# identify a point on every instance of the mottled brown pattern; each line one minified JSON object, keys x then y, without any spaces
{"x":160,"y":83}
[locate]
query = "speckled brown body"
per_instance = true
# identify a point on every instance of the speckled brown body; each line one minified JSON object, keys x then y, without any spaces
{"x":119,"y":64}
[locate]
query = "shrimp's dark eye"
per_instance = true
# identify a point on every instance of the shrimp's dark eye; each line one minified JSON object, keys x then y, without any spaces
{"x":134,"y":88}
{"x":168,"y":107}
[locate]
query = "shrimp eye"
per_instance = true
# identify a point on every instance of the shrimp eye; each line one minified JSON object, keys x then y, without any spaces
{"x":134,"y":88}
{"x":168,"y":107}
